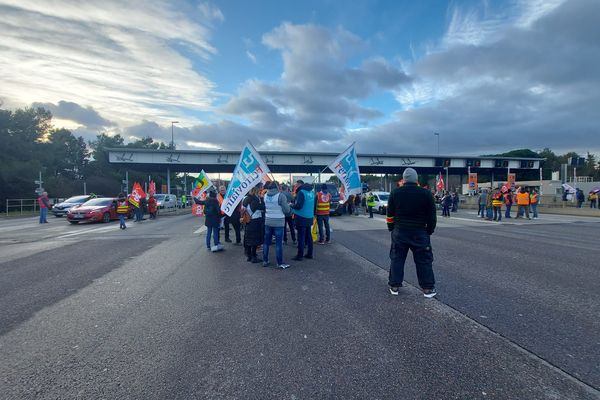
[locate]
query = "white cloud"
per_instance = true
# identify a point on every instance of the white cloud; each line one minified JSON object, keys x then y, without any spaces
{"x":251,"y":56}
{"x":121,"y":58}
{"x":211,"y":12}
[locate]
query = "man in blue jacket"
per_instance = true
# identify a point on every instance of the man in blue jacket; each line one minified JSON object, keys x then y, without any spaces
{"x":304,"y":211}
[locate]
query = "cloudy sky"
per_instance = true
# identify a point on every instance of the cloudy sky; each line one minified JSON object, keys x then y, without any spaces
{"x":488,"y":76}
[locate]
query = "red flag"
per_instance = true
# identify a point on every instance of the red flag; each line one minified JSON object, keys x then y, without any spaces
{"x":440,"y":183}
{"x":152,"y":188}
{"x":136,"y":194}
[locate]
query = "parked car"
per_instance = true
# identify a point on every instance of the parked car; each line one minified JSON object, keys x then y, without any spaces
{"x":166,"y":201}
{"x":95,"y":210}
{"x":381,"y":202}
{"x":61,"y":209}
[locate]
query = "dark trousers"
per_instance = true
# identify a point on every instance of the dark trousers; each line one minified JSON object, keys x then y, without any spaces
{"x":250,"y":252}
{"x":235,"y":223}
{"x":497,"y":213}
{"x":507,"y":214}
{"x":303,"y":231}
{"x":323,"y":220}
{"x":370,"y":211}
{"x":289,"y":222}
{"x":446,"y":210}
{"x":521,"y":210}
{"x":416,"y":240}
{"x":481,"y":210}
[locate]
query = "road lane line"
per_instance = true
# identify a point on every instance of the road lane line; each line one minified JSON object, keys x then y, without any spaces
{"x":104,"y":229}
{"x":200,"y":230}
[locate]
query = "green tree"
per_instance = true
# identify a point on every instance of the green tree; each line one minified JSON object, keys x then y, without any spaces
{"x":22,"y":133}
{"x":66,"y":154}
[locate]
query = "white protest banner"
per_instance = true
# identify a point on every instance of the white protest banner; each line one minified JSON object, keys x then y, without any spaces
{"x":345,"y":167}
{"x":248,"y":172}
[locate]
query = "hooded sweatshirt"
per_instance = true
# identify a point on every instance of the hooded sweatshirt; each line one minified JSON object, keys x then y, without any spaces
{"x":277,"y":208}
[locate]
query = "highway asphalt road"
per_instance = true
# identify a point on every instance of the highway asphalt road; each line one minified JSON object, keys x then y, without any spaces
{"x":94,"y":312}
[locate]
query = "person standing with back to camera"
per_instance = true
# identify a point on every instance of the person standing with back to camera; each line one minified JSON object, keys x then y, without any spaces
{"x":411,"y":219}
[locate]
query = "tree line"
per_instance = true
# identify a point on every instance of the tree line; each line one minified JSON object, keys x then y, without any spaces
{"x":30,"y":144}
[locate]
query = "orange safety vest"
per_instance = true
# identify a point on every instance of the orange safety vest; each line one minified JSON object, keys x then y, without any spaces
{"x":323,"y":203}
{"x":533,"y":198}
{"x":522,"y":199}
{"x":122,"y":207}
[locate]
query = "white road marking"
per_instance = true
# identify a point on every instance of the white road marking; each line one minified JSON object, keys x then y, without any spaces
{"x":104,"y":229}
{"x":200,"y":230}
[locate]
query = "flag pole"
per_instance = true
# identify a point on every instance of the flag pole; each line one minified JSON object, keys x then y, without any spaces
{"x":351,"y":144}
{"x":269,"y":173}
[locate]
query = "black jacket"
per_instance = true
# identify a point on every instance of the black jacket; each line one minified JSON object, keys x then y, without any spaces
{"x":412,"y":207}
{"x":212,"y":216}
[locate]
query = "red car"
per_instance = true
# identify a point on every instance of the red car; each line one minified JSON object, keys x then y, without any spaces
{"x":99,"y":209}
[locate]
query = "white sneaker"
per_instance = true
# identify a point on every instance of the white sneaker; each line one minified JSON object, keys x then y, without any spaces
{"x":283,"y":266}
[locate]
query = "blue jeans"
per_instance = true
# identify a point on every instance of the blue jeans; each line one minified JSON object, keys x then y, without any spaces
{"x":507,"y":213}
{"x":269,"y":232}
{"x":122,"y":220}
{"x":323,"y":220}
{"x":489,"y":213}
{"x":302,"y":233}
{"x":416,"y":240}
{"x":43,"y":215}
{"x":139,"y":214}
{"x":534,"y":210}
{"x":481,"y":210}
{"x":214,"y":231}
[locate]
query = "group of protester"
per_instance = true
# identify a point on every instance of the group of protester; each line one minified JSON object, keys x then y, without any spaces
{"x":448,"y":202}
{"x":592,"y":197}
{"x":491,"y":202}
{"x":265,"y":215}
{"x":143,"y":206}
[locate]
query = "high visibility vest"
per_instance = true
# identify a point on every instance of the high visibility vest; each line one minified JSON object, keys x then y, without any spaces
{"x":533,"y":198}
{"x":522,"y":199}
{"x":220,"y":199}
{"x":323,"y":203}
{"x":122,"y":207}
{"x":497,"y":200}
{"x":371,"y":201}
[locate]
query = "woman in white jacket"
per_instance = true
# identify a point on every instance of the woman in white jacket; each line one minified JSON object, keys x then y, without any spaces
{"x":276,"y":208}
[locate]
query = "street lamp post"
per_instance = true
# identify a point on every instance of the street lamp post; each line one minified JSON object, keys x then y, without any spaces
{"x":438,"y":142}
{"x":172,"y":140}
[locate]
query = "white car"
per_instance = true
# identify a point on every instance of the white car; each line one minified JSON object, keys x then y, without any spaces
{"x":166,"y":201}
{"x":381,"y":201}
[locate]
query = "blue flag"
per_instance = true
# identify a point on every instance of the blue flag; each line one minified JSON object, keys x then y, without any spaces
{"x":345,"y":167}
{"x":249,"y":171}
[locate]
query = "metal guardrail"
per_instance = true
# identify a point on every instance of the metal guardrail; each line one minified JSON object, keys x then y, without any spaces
{"x":21,"y":206}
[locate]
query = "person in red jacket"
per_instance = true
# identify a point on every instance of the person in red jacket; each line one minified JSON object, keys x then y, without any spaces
{"x":152,"y":207}
{"x":44,"y":204}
